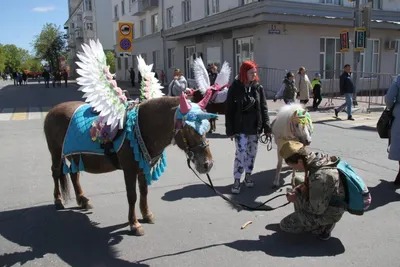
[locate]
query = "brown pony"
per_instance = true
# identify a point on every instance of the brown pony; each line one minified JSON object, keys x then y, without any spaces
{"x":217,"y":108}
{"x":157,"y":125}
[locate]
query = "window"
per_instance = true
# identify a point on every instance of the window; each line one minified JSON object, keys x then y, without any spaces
{"x":245,"y":2}
{"x":156,"y":58}
{"x":376,"y":4}
{"x":142,"y":27}
{"x":170,"y":17}
{"x":116,"y":11}
{"x":190,"y":51}
{"x":154,"y":23}
{"x":186,"y":11}
{"x":122,"y":7}
{"x":214,"y":56}
{"x":89,"y":26}
{"x":212,"y":7}
{"x":330,"y":58}
{"x":87,"y":5}
{"x":119,"y":63}
{"x":144,"y":56}
{"x":397,"y":57}
{"x":171,"y":58}
{"x":332,"y":2}
{"x":244,"y":50}
{"x":126,"y":63}
{"x":72,"y":25}
{"x":369,"y":59}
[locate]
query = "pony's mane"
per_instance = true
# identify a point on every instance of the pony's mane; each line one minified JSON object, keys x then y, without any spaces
{"x":281,"y":124}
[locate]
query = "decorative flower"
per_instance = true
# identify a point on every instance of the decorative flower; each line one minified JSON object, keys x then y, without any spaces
{"x":123,"y":98}
{"x":113,"y":84}
{"x":119,"y":91}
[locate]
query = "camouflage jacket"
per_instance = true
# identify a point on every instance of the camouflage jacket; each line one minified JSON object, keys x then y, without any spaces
{"x":323,"y":184}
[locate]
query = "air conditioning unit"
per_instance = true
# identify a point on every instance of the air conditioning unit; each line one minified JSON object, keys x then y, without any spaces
{"x":390,"y":45}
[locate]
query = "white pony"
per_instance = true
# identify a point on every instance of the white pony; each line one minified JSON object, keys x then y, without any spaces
{"x":292,"y":122}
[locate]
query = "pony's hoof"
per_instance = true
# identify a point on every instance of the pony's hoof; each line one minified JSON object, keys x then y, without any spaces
{"x":137,"y":230}
{"x":59,"y":205}
{"x":85,"y":204}
{"x":149,"y":218}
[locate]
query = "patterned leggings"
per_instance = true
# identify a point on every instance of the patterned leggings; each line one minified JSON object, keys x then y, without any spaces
{"x":246,"y":151}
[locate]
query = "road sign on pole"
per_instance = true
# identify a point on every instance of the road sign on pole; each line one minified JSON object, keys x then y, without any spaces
{"x":360,"y":39}
{"x":344,"y":41}
{"x":125,"y":37}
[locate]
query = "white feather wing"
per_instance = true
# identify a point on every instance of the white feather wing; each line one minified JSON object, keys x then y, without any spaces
{"x":224,"y":75}
{"x":201,"y":75}
{"x":93,"y":72}
{"x":150,"y":87}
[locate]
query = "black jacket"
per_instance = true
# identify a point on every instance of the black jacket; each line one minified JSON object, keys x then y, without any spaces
{"x":236,"y":99}
{"x":346,"y":84}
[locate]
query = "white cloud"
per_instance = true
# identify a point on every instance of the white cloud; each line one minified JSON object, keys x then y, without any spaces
{"x":43,"y":8}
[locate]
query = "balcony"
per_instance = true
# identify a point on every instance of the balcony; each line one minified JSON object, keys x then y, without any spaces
{"x":140,"y":7}
{"x":88,"y":15}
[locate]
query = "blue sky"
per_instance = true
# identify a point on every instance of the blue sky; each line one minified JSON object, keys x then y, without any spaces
{"x":21,"y":20}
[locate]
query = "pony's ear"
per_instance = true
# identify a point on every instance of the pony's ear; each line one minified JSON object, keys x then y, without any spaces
{"x":206,"y":116}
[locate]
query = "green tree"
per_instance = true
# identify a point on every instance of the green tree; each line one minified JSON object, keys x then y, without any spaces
{"x":50,"y":44}
{"x":13,"y":57}
{"x":32,"y":64}
{"x":2,"y":59}
{"x":110,"y":60}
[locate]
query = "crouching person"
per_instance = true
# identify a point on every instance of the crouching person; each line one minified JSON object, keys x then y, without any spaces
{"x":312,"y":196}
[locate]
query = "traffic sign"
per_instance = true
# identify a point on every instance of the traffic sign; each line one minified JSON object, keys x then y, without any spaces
{"x":125,"y":37}
{"x":125,"y":44}
{"x":360,"y":39}
{"x":344,"y":41}
{"x":125,"y":29}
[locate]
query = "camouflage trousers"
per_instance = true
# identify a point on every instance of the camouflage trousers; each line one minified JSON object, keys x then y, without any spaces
{"x":300,"y":221}
{"x":246,"y":151}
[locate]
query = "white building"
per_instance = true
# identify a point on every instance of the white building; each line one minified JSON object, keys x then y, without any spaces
{"x":147,"y":41}
{"x":88,"y":19}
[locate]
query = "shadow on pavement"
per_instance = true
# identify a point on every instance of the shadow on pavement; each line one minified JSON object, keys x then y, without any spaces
{"x":263,"y":187}
{"x":281,"y":244}
{"x":37,"y":95}
{"x":69,"y":234}
{"x":383,"y":194}
{"x":278,"y":244}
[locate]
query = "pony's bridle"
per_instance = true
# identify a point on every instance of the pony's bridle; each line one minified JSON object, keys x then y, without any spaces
{"x":189,"y":150}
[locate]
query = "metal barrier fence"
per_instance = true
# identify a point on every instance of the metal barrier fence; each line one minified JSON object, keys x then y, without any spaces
{"x":370,"y":87}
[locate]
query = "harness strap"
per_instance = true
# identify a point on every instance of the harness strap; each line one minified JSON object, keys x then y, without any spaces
{"x":238,"y":204}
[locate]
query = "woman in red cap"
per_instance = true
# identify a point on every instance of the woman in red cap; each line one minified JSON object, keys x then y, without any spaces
{"x":246,"y":117}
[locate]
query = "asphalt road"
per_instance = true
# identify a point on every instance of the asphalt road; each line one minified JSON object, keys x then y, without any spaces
{"x":193,"y":226}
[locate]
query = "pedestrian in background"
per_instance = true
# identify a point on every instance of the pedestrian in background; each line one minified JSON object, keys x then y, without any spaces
{"x":317,"y":90}
{"x":303,"y":85}
{"x":346,"y":89}
{"x":288,"y":89}
{"x":246,"y":117}
{"x":392,"y":102}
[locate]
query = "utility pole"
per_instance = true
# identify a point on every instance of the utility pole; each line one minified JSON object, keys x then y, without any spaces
{"x":356,"y":54}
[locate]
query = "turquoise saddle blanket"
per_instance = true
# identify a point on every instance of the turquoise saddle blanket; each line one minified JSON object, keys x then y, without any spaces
{"x":78,"y":139}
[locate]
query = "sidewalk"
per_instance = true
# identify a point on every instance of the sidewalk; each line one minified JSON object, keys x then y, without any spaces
{"x":325,"y":108}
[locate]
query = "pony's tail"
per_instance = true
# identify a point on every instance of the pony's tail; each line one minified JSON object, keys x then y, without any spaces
{"x":63,"y":179}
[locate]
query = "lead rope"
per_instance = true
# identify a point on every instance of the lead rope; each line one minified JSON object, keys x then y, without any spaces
{"x":234,"y":203}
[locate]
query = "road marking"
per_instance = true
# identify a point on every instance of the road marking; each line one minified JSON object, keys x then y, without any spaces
{"x":6,"y":114}
{"x":20,"y":114}
{"x":34,"y":113}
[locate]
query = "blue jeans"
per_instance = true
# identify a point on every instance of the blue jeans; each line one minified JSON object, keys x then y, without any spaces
{"x":347,"y":105}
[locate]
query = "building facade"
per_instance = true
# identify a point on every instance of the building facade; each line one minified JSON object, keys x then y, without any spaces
{"x":146,"y":16}
{"x":278,"y":34}
{"x":88,"y":19}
